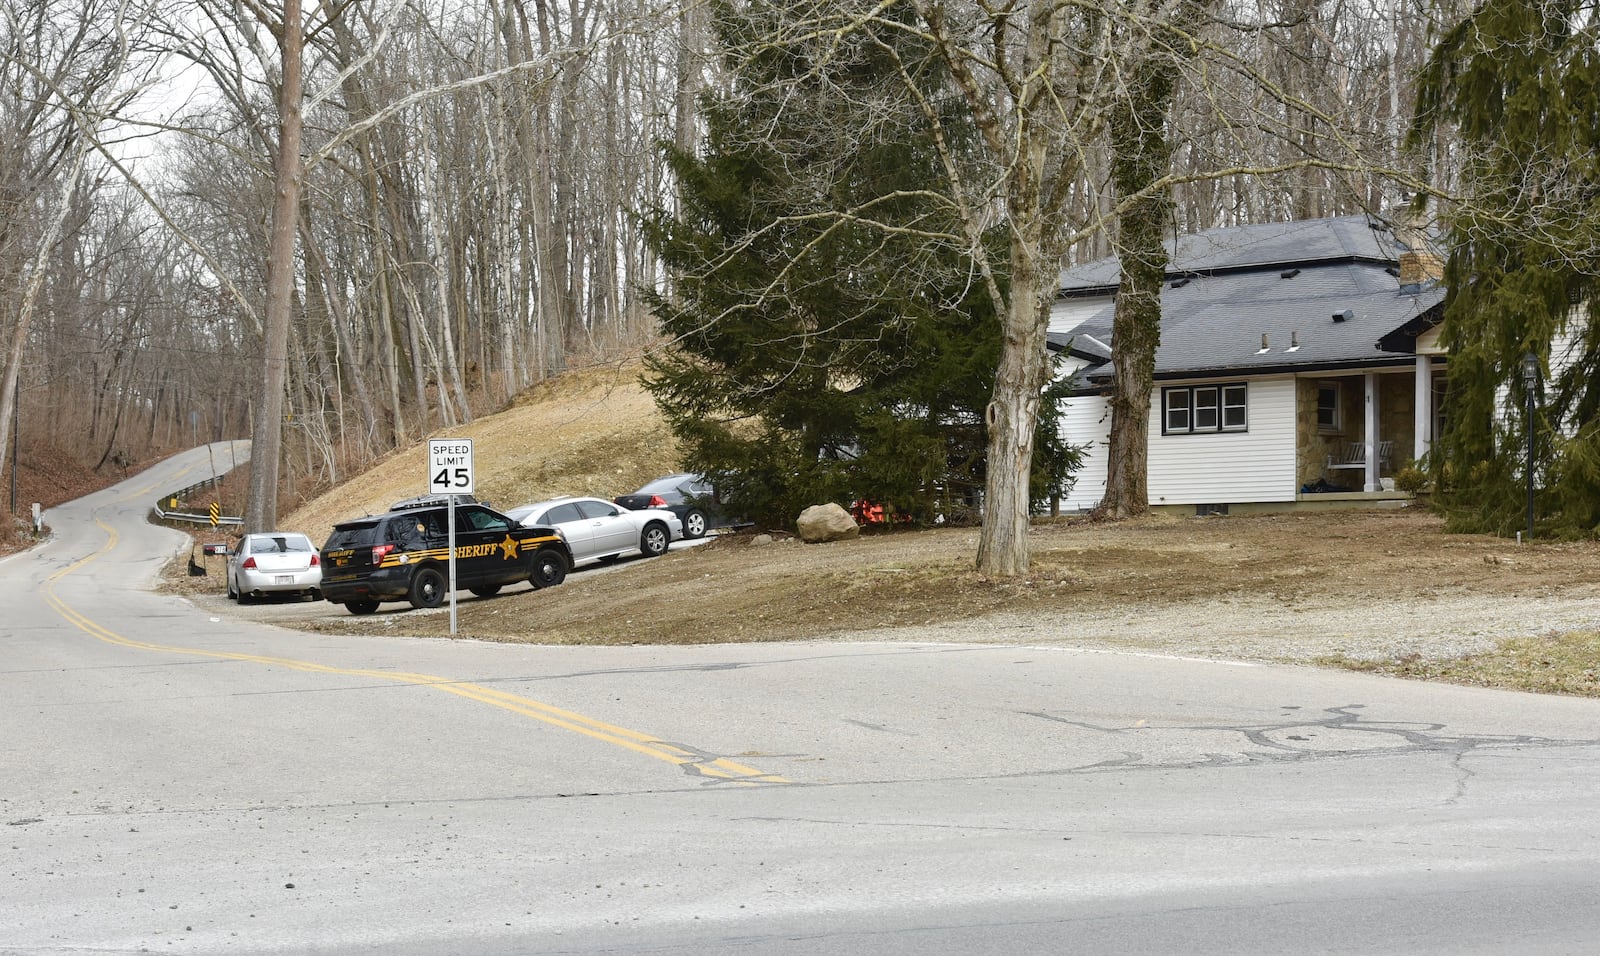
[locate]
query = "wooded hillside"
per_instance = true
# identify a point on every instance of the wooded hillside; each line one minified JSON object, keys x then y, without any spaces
{"x":468,"y":180}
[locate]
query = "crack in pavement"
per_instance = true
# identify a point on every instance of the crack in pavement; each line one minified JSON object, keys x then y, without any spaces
{"x":1298,"y":739}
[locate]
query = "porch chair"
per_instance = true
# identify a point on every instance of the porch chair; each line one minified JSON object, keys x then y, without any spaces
{"x":1353,"y":457}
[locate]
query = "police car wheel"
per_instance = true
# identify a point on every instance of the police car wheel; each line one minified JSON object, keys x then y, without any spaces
{"x":486,"y":590}
{"x":427,"y":588}
{"x":549,"y":568}
{"x":653,"y":542}
{"x":361,"y":607}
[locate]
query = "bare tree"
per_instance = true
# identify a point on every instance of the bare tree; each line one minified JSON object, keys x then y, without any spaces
{"x":1035,"y":80}
{"x":261,"y":512}
{"x":464,"y":193}
{"x":61,"y":78}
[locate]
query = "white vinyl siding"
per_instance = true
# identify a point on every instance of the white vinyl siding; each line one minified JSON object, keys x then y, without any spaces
{"x":1567,"y":344}
{"x":1565,"y":350}
{"x":1227,"y":466}
{"x":1219,"y":467}
{"x":1087,"y":421}
{"x":1428,"y":342}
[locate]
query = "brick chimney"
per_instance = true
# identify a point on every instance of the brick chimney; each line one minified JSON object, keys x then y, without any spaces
{"x":1412,"y":230}
{"x":1419,"y":267}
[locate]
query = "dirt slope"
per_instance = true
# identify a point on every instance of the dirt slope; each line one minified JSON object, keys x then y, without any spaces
{"x":588,"y":432}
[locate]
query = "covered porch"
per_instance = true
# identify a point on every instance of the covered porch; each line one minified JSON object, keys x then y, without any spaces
{"x":1356,"y":428}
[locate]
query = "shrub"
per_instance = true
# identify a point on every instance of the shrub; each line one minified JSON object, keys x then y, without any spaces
{"x":1410,"y":479}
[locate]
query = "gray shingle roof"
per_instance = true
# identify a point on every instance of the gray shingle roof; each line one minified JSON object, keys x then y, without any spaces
{"x":1285,"y":281}
{"x":1264,"y":245}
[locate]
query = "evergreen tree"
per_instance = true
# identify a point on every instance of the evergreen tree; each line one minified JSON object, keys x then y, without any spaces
{"x":1519,"y":80}
{"x":830,"y":340}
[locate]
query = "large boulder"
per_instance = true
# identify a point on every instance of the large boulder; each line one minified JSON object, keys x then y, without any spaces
{"x":827,"y":522}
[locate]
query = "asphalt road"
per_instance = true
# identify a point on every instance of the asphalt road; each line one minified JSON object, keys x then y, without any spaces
{"x":174,"y":780}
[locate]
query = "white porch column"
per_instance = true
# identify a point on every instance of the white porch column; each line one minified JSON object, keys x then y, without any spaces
{"x":1372,"y":433}
{"x":1422,"y":422}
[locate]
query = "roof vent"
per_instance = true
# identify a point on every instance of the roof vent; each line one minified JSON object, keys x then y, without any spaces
{"x":1294,"y":341}
{"x":1288,"y":273}
{"x":1265,"y":348}
{"x":1344,"y":316}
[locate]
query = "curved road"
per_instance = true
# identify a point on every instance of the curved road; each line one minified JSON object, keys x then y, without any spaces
{"x":174,"y":781}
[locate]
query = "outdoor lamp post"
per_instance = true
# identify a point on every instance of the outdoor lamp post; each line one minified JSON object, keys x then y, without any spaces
{"x":1530,"y":380}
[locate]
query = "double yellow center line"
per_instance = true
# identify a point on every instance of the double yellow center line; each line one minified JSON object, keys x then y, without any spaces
{"x":694,"y":764}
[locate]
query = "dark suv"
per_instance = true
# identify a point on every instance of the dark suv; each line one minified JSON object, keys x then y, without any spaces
{"x":404,"y":555}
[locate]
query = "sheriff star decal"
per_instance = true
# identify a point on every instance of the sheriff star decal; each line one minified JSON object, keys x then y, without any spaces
{"x":508,"y":548}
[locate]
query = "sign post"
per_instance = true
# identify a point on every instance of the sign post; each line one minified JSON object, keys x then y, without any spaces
{"x":450,"y":474}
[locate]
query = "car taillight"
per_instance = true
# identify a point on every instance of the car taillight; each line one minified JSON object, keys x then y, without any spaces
{"x":249,"y":564}
{"x":656,"y":501}
{"x":379,"y":550}
{"x":315,"y":559}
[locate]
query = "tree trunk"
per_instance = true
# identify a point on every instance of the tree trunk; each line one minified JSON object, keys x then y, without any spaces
{"x":1141,"y":159}
{"x":1011,"y":417}
{"x":267,"y":436}
{"x":1135,"y":335}
{"x":9,"y":393}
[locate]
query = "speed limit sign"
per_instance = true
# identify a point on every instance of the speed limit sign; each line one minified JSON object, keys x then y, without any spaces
{"x":450,"y":466}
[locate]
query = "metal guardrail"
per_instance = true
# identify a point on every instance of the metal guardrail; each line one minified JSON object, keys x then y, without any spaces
{"x":171,"y":501}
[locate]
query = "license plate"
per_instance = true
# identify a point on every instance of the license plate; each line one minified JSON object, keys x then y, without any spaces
{"x":283,"y":579}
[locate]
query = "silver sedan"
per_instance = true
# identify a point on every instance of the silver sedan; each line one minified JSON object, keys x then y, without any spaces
{"x":599,"y":529}
{"x":274,"y":562}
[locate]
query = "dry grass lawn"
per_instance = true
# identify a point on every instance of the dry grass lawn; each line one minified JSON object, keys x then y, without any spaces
{"x":1291,"y":583}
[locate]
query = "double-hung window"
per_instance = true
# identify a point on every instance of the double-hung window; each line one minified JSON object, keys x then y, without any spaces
{"x":1190,"y":409}
{"x":1328,"y":407}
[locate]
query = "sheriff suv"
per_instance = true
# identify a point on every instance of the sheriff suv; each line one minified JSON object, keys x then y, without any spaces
{"x":404,"y":555}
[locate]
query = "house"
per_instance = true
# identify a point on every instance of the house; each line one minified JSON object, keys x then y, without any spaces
{"x":1299,"y":366}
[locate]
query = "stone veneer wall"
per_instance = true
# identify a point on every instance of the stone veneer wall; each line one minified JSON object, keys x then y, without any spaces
{"x":1310,"y":447}
{"x":1396,"y":400}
